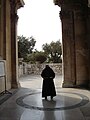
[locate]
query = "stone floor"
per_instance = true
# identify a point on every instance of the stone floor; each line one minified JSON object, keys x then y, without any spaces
{"x":26,"y":102}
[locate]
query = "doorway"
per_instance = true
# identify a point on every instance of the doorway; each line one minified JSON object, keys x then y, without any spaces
{"x":42,"y":23}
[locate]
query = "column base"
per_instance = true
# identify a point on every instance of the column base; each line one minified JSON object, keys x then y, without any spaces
{"x":68,"y":85}
{"x":71,"y":85}
{"x":15,"y":85}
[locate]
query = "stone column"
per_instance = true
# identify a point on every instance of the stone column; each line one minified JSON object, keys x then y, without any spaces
{"x":14,"y":56}
{"x":2,"y":28}
{"x":68,"y":42}
{"x":82,"y":51}
{"x":88,"y":39}
{"x":75,"y":45}
{"x":0,"y":25}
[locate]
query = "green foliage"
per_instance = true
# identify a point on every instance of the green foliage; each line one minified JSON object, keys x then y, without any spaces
{"x":40,"y":57}
{"x":25,"y":46}
{"x":53,"y":51}
{"x":37,"y":56}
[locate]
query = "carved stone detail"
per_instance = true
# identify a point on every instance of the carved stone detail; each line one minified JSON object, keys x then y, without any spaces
{"x":64,"y":14}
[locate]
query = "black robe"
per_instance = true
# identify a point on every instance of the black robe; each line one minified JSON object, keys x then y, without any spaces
{"x":48,"y":88}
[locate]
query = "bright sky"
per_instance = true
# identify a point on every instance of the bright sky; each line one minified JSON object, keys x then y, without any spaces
{"x":40,"y":19}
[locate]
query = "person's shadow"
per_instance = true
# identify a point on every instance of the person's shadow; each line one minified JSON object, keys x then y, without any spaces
{"x":48,"y":108}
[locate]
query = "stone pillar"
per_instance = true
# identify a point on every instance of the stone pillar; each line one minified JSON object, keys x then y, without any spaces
{"x":1,"y":27}
{"x":82,"y":51}
{"x":14,"y":56}
{"x":15,"y":4}
{"x":88,"y":39}
{"x":74,"y":39}
{"x":75,"y":49}
{"x":68,"y":41}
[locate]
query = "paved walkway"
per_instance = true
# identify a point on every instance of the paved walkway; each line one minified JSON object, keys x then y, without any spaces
{"x":26,"y":103}
{"x":35,"y":81}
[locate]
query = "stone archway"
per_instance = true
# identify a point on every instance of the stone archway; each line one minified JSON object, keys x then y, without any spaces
{"x":75,"y":16}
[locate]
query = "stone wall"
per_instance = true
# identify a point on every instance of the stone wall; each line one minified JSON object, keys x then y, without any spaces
{"x":25,"y":69}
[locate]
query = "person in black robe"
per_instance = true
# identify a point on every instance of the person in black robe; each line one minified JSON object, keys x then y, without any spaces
{"x":48,"y":87}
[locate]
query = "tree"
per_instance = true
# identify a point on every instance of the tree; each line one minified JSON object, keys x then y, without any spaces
{"x":40,"y":57}
{"x":25,"y":46}
{"x":53,"y":51}
{"x":37,"y":56}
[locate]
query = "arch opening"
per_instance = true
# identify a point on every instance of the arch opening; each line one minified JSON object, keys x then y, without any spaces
{"x":42,"y":23}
